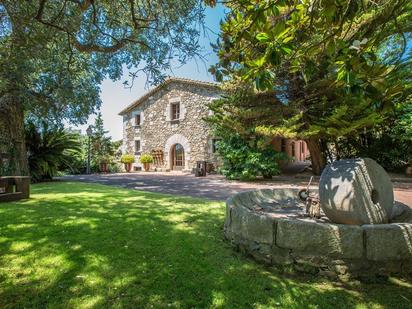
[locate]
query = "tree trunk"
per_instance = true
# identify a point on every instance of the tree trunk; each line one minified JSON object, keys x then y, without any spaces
{"x":13,"y":154}
{"x":317,"y":156}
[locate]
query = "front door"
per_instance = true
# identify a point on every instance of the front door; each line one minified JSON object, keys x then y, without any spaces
{"x":178,"y":157}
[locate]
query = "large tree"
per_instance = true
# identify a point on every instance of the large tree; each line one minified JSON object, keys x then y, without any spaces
{"x":340,"y":65}
{"x":54,"y":55}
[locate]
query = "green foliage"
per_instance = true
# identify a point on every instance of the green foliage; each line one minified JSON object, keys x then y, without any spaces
{"x":402,"y":129}
{"x":390,"y":144}
{"x":127,"y":158}
{"x":115,"y":167}
{"x":342,"y":65}
{"x":50,"y":149}
{"x":246,"y":152}
{"x":246,"y":162}
{"x":146,"y":158}
{"x":102,"y":147}
{"x":246,"y":112}
{"x":55,"y":54}
{"x":340,"y":44}
{"x":105,"y":159}
{"x":60,"y":52}
{"x":382,"y":148}
{"x":78,"y":162}
{"x":102,"y":150}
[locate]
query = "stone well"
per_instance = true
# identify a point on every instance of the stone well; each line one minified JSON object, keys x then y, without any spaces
{"x":271,"y":226}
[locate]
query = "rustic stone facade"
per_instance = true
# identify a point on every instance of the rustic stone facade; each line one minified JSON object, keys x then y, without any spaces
{"x":158,"y":133}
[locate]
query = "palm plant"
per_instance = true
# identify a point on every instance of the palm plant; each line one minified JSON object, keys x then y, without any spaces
{"x":50,"y":149}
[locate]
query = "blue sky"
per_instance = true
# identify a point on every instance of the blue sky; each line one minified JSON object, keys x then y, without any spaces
{"x":115,"y":97}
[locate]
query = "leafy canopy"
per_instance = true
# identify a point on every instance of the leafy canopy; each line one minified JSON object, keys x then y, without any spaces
{"x":341,"y":65}
{"x":54,"y":54}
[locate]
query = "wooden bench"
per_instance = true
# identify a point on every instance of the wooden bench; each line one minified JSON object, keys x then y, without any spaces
{"x":14,"y":188}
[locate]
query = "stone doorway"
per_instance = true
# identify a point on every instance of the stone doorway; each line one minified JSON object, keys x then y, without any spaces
{"x":183,"y":152}
{"x":177,"y":157}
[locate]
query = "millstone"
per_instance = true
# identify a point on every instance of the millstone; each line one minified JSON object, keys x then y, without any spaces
{"x":356,"y":191}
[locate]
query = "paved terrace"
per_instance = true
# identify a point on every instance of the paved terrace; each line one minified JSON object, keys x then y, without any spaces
{"x":214,"y":187}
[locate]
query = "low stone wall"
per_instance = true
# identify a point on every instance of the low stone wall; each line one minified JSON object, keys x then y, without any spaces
{"x":270,"y":226}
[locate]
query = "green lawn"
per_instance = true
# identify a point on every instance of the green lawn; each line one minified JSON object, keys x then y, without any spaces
{"x":75,"y":245}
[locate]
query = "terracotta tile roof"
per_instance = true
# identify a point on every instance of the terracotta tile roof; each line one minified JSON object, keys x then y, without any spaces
{"x":165,"y":83}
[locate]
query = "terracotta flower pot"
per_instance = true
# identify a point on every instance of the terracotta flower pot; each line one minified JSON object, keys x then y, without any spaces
{"x":128,"y":167}
{"x":146,"y":166}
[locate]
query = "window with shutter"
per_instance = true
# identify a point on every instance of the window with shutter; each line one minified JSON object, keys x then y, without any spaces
{"x":175,"y":111}
{"x":137,"y":120}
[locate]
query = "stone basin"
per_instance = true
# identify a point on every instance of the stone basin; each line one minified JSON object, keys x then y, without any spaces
{"x":271,"y":226}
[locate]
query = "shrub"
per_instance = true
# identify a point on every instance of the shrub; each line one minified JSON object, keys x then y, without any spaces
{"x":246,"y":162}
{"x":114,"y":168}
{"x":50,"y":149}
{"x":390,"y":144}
{"x":146,"y":158}
{"x":127,"y":158}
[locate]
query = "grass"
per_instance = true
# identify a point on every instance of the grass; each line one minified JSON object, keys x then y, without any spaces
{"x":75,"y":245}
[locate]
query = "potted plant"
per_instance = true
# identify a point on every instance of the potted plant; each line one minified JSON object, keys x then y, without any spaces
{"x":127,"y":160}
{"x":104,"y":162}
{"x":146,"y":159}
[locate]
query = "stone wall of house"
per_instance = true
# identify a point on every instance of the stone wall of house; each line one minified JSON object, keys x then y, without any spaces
{"x":158,"y":132}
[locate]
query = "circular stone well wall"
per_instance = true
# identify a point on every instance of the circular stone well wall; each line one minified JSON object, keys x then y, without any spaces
{"x":270,"y":225}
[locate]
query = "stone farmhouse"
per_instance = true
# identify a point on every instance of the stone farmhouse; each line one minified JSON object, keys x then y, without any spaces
{"x":167,"y":122}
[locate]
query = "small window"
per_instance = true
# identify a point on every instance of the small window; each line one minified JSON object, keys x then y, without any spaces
{"x":293,"y":148}
{"x":175,"y":111}
{"x":136,"y":146}
{"x":137,"y":120}
{"x":283,"y":145}
{"x":214,"y":144}
{"x":302,"y":147}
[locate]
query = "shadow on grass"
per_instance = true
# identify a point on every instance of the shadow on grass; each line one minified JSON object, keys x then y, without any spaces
{"x":84,"y":245}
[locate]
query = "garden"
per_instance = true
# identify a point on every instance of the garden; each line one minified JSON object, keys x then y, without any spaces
{"x":336,"y":74}
{"x":76,"y":245}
